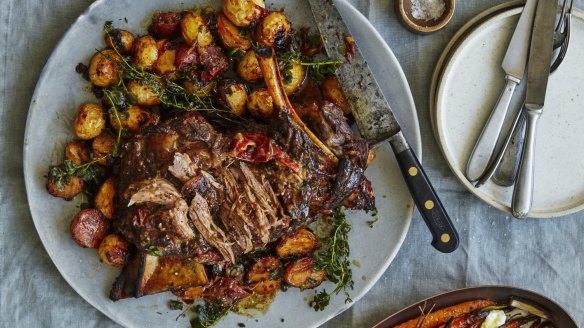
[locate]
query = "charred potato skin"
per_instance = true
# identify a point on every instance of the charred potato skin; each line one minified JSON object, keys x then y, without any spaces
{"x":248,"y":68}
{"x":76,"y":151}
{"x":114,"y":250}
{"x":302,"y":273}
{"x":260,"y":103}
{"x":299,"y":243}
{"x":264,"y":276}
{"x":146,"y":95}
{"x":145,"y":52}
{"x":195,"y":30}
{"x":233,"y":95}
{"x":104,"y":198}
{"x":131,"y":119}
{"x":69,"y":190}
{"x":243,"y":13}
{"x":101,"y":146}
{"x":88,"y":228}
{"x":120,"y":40}
{"x":89,"y":121}
{"x":102,"y":69}
{"x":230,"y":34}
{"x":332,"y":91}
{"x":274,"y":30}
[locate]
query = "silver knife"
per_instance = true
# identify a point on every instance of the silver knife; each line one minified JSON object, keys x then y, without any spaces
{"x":513,"y":64}
{"x":538,"y":71}
{"x":377,"y":123}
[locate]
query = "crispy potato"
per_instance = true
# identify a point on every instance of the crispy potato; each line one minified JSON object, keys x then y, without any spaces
{"x":200,"y":88}
{"x":145,"y":52}
{"x":146,"y":94}
{"x":260,"y":103}
{"x":195,"y":30}
{"x":114,"y":250}
{"x":243,"y":12}
{"x":265,"y":275}
{"x":68,"y":190}
{"x":131,"y":119}
{"x":233,"y":95}
{"x":300,"y":243}
{"x":332,"y":91}
{"x":89,"y":227}
{"x":166,"y":64}
{"x":89,"y":121}
{"x":230,"y":35}
{"x":121,"y":40}
{"x":302,"y":273}
{"x":293,"y":76}
{"x":248,"y":68}
{"x":274,"y":30}
{"x":101,"y":146}
{"x":104,"y":198}
{"x":76,"y":151}
{"x":102,"y":69}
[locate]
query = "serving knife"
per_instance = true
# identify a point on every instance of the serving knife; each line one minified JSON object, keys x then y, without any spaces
{"x":538,"y":72}
{"x":513,"y":64}
{"x":377,"y":123}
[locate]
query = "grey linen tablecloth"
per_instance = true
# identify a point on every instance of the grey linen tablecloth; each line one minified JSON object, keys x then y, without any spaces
{"x":541,"y":255}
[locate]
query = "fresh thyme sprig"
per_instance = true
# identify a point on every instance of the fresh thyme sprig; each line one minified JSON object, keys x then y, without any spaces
{"x":333,"y":258}
{"x":318,"y":69}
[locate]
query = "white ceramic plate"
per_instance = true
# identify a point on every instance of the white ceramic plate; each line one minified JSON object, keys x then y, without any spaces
{"x":60,"y":91}
{"x":467,"y":91}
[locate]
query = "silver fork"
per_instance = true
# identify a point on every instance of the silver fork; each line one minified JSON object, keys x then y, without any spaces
{"x":504,"y":168}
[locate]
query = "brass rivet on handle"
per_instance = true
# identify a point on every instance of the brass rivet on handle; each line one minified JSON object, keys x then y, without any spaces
{"x":413,"y":171}
{"x":429,"y":204}
{"x":445,"y":238}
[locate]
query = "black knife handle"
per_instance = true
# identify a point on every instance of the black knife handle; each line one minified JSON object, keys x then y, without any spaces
{"x":444,"y":235}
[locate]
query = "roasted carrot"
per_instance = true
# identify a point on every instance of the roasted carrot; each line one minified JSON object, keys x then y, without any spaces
{"x":470,"y":320}
{"x":440,"y":317}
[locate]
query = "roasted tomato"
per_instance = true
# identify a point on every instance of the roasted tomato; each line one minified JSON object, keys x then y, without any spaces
{"x":89,"y":121}
{"x":121,"y":40}
{"x":165,"y":25}
{"x":299,"y":243}
{"x":303,"y":274}
{"x":89,"y":227}
{"x":114,"y":250}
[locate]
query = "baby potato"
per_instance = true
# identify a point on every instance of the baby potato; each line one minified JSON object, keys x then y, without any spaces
{"x":195,"y":30}
{"x":293,"y":77}
{"x":274,"y":30}
{"x":102,"y":68}
{"x":88,"y":228}
{"x":248,"y":68}
{"x":165,"y":65}
{"x":303,"y":274}
{"x":101,"y":146}
{"x":68,"y":190}
{"x":89,"y":121}
{"x":114,"y":250}
{"x":332,"y":91}
{"x":104,"y":198}
{"x":146,"y":94}
{"x":264,"y":275}
{"x":230,"y":34}
{"x":300,"y":243}
{"x":76,"y":151}
{"x":233,"y":95}
{"x":145,"y":52}
{"x":260,"y":103}
{"x":243,"y":12}
{"x":200,"y":88}
{"x":165,"y":25}
{"x":121,"y":40}
{"x":131,"y":119}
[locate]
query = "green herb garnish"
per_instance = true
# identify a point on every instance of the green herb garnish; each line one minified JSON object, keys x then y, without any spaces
{"x":209,"y":314}
{"x":153,"y":250}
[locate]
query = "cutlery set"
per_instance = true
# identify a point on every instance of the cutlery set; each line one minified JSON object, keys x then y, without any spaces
{"x":508,"y":159}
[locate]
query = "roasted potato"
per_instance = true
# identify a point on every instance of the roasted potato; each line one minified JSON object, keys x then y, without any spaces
{"x":146,"y":94}
{"x":303,"y":274}
{"x":104,"y":198}
{"x":248,"y":68}
{"x":89,"y":227}
{"x":166,"y":64}
{"x":102,"y":68}
{"x":233,"y":95}
{"x":68,"y":190}
{"x":195,"y":30}
{"x":114,"y":250}
{"x":293,"y":75}
{"x":265,"y":275}
{"x":332,"y":91}
{"x":76,"y":151}
{"x":186,"y":55}
{"x":89,"y":121}
{"x":101,"y":146}
{"x":300,"y":243}
{"x":121,"y":40}
{"x":145,"y":52}
{"x":260,"y":103}
{"x":230,"y":34}
{"x":200,"y":88}
{"x":131,"y":119}
{"x":274,"y":30}
{"x":243,"y":12}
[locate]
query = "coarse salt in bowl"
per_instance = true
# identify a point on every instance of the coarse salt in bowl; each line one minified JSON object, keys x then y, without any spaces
{"x":425,"y":16}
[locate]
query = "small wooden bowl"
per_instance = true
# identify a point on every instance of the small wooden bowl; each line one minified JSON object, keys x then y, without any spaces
{"x":404,"y":9}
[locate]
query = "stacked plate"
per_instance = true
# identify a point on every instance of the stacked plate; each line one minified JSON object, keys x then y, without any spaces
{"x":465,"y":87}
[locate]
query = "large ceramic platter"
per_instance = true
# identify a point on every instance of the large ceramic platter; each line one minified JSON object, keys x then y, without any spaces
{"x":60,"y":91}
{"x":467,"y":87}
